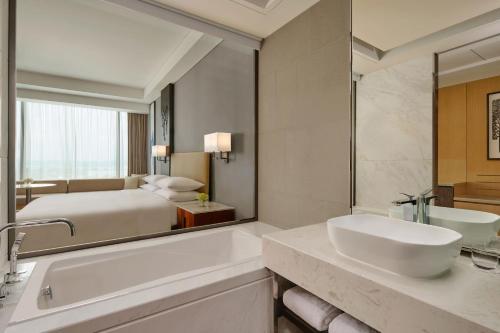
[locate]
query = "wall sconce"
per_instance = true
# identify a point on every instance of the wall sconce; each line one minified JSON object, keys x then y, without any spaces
{"x":218,"y":143}
{"x":160,"y":152}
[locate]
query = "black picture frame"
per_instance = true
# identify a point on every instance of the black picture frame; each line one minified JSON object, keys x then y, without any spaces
{"x":493,"y":125}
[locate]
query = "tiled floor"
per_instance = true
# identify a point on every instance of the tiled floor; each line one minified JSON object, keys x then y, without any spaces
{"x":285,"y":326}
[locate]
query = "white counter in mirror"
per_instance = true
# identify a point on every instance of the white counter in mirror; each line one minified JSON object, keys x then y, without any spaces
{"x":476,"y":227}
{"x":402,"y":247}
{"x":151,"y":282}
{"x":463,"y":300}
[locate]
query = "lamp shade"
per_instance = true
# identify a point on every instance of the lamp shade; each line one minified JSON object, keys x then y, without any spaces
{"x":160,"y":151}
{"x":218,"y":142}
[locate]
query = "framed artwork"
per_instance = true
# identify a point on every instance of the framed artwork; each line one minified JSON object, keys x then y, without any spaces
{"x":493,"y":104}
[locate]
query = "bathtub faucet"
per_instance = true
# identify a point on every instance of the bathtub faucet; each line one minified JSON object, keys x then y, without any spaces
{"x":13,"y":275}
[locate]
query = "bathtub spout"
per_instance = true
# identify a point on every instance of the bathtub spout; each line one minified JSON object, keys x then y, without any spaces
{"x":13,"y":275}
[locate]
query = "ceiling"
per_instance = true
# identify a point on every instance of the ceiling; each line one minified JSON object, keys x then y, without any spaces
{"x":98,"y":49}
{"x":258,"y":18}
{"x":400,"y":30}
{"x":92,"y":40}
{"x":387,"y":24}
{"x":471,"y":62}
{"x":469,"y":55}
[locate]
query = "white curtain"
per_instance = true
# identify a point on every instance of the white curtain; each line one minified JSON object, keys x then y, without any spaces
{"x":61,"y":141}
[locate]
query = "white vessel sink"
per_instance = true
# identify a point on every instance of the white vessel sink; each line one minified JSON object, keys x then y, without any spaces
{"x":476,"y":227}
{"x":405,"y":248}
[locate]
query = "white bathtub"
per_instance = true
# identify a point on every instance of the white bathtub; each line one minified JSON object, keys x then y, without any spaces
{"x":107,"y":287}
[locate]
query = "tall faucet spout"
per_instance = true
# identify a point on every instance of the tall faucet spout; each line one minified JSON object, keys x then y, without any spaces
{"x":34,"y":223}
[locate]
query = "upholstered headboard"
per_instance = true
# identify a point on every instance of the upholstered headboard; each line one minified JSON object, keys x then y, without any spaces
{"x":192,"y":165}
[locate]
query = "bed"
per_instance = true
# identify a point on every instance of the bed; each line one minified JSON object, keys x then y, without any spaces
{"x":106,"y":215}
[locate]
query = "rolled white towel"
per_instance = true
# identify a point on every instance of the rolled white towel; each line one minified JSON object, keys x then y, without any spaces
{"x":313,"y":310}
{"x":347,"y":324}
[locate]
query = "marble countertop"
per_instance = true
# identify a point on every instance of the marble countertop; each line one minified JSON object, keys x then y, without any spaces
{"x":463,"y":300}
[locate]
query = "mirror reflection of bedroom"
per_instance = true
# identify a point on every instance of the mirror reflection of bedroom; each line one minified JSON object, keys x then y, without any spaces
{"x":127,"y":125}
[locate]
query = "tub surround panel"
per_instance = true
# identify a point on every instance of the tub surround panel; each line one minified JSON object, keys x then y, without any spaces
{"x":394,"y":132}
{"x":215,"y":313}
{"x":114,"y":312}
{"x":463,"y":300}
{"x":304,"y":120}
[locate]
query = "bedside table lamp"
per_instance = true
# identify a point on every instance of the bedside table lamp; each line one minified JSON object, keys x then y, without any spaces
{"x":218,"y":143}
{"x":160,"y":152}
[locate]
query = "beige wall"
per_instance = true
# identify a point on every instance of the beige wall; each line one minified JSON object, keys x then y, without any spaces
{"x":304,"y":118}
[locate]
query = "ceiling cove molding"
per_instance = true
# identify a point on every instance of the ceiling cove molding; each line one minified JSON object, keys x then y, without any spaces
{"x":366,"y":50}
{"x":194,"y":48}
{"x":181,"y":18}
{"x":61,"y":84}
{"x":100,"y":103}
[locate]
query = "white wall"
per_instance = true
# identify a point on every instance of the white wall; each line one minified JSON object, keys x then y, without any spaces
{"x":394,"y":133}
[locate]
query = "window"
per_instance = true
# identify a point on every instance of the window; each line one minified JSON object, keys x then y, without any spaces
{"x":63,"y":141}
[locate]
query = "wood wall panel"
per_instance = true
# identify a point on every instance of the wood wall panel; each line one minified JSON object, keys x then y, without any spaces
{"x":452,"y":138}
{"x":479,"y":168}
{"x":462,"y":133}
{"x":495,"y":209}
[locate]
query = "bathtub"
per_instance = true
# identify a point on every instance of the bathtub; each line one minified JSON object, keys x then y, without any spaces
{"x":129,"y":286}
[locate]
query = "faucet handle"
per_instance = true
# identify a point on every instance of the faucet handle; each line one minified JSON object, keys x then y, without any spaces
{"x":409,"y":196}
{"x":424,"y":193}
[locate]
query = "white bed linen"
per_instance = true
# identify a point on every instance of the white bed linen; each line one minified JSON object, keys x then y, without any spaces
{"x":98,"y":216}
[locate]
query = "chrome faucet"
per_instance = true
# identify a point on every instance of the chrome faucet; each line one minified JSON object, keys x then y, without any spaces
{"x":13,"y":275}
{"x":420,"y":205}
{"x":423,"y":202}
{"x":409,"y":199}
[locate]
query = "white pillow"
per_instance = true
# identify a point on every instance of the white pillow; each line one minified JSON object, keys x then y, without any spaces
{"x":153,"y":179}
{"x":179,"y":184}
{"x":177,"y":196}
{"x":150,"y":187}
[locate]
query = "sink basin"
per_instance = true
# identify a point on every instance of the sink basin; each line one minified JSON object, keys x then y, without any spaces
{"x":476,"y":227}
{"x":401,"y":247}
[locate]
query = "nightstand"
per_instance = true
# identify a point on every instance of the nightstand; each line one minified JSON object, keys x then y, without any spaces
{"x":191,"y":214}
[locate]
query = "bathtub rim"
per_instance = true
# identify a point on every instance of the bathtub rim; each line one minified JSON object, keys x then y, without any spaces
{"x":253,"y":268}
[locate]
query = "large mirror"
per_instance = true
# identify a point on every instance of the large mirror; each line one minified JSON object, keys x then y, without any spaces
{"x":426,"y":115}
{"x":468,"y":150}
{"x":128,"y":126}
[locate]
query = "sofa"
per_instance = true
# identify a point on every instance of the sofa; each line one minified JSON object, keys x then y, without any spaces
{"x":70,"y":186}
